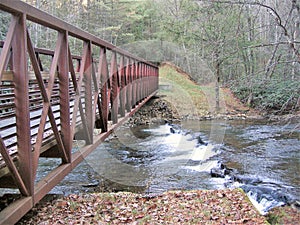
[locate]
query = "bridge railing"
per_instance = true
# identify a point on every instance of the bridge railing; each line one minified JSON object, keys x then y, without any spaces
{"x":42,"y":111}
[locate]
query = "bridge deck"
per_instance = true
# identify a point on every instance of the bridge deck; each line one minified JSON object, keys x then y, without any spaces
{"x":51,"y":97}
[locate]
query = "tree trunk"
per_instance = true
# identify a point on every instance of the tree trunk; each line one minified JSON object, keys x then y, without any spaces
{"x":251,"y":58}
{"x":296,"y":36}
{"x":217,"y":87}
{"x":187,"y":59}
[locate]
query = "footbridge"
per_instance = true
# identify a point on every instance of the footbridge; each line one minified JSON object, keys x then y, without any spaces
{"x":52,"y":98}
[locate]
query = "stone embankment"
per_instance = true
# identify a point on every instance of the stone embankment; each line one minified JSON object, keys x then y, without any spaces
{"x":156,"y":110}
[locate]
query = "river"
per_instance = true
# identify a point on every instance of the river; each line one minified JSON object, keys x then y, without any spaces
{"x":264,"y":160}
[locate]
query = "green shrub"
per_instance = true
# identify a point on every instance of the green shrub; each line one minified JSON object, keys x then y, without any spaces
{"x":275,"y":95}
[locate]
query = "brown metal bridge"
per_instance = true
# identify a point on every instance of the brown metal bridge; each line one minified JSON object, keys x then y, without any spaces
{"x":43,"y":111}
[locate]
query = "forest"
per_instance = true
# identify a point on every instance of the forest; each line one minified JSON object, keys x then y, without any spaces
{"x":251,"y":46}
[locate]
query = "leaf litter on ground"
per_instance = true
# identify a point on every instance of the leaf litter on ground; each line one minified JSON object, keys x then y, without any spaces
{"x":173,"y":207}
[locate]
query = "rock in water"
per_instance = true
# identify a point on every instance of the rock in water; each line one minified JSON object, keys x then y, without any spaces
{"x":216,"y":172}
{"x":172,"y":130}
{"x":201,"y":142}
{"x":221,"y":171}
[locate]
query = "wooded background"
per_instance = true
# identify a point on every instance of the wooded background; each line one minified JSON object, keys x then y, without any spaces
{"x":250,"y":45}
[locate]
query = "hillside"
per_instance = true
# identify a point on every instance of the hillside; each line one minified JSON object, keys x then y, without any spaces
{"x":192,"y":100}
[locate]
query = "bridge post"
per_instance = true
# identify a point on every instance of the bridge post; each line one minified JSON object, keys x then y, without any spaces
{"x":114,"y":88}
{"x":63,"y":71}
{"x":148,"y":80}
{"x":88,"y":92}
{"x":144,"y":81}
{"x":21,"y":81}
{"x":141,"y":81}
{"x":129,"y":85}
{"x":123,"y":88}
{"x":133,"y":84}
{"x":104,"y":88}
{"x":137,"y":83}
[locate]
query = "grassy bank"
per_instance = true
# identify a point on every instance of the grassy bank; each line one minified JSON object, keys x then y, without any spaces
{"x":197,"y":101}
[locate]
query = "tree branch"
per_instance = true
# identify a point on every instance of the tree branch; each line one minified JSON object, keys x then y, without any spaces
{"x":273,"y":12}
{"x":270,"y":44}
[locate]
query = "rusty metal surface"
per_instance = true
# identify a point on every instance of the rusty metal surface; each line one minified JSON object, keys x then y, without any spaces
{"x":42,"y":112}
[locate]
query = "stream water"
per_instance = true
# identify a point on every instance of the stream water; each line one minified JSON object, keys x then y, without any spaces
{"x":264,"y":160}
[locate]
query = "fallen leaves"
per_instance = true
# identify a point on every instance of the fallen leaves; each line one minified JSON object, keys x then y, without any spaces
{"x":174,"y":207}
{"x":284,"y":215}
